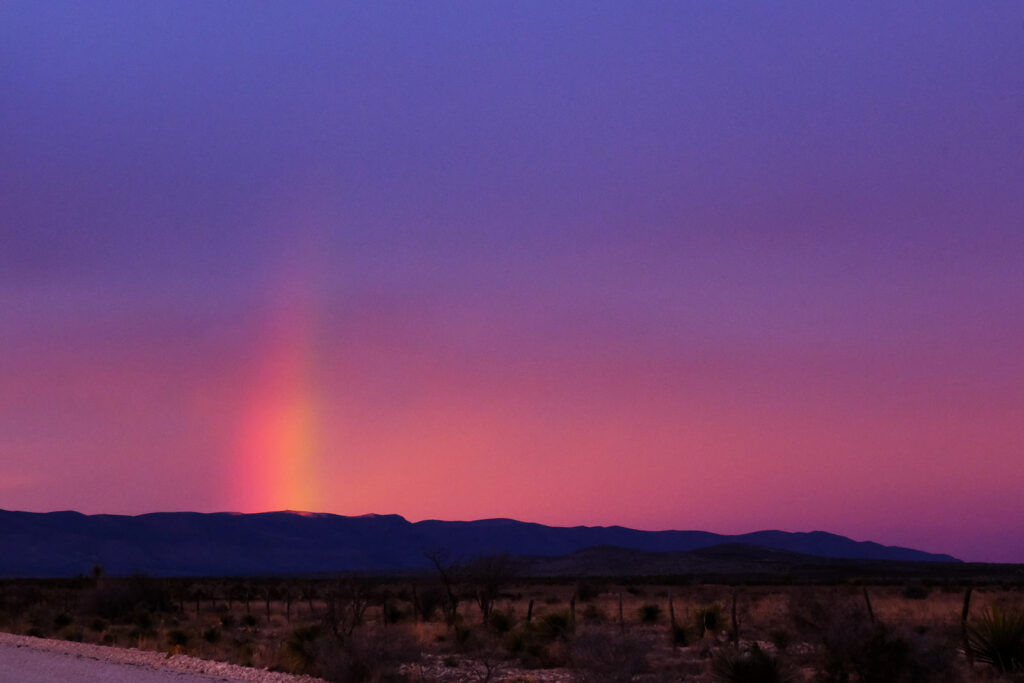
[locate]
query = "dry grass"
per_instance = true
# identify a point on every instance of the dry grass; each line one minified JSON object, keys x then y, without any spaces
{"x":787,"y":621}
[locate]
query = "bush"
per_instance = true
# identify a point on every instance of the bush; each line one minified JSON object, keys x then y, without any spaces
{"x":781,"y":638}
{"x":243,"y":653}
{"x":586,"y":591}
{"x":301,"y":648}
{"x":916,"y":591}
{"x":428,"y":600}
{"x":501,"y":622}
{"x":599,"y":655}
{"x":41,"y":620}
{"x":212,"y":635}
{"x":555,"y":626}
{"x":73,"y":634}
{"x":874,"y":653}
{"x":178,"y":637}
{"x":518,"y":641}
{"x":393,"y":614}
{"x":367,"y":655}
{"x":535,"y":646}
{"x":996,"y":637}
{"x":464,"y":635}
{"x":749,"y":666}
{"x":707,"y":619}
{"x":143,"y":620}
{"x":118,"y":599}
{"x":592,"y":614}
{"x":649,"y":613}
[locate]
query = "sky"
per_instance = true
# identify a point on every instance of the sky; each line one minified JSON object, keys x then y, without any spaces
{"x":692,"y":265}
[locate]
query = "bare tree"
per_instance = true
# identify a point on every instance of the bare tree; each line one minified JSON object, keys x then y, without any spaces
{"x":309,"y":593}
{"x":267,"y":591}
{"x":289,"y":592}
{"x":486,"y":576}
{"x":346,"y":606}
{"x":448,"y":574}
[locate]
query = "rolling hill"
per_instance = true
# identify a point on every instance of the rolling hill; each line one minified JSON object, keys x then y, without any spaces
{"x":199,"y":544}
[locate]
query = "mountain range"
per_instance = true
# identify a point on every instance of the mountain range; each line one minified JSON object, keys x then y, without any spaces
{"x":69,"y":543}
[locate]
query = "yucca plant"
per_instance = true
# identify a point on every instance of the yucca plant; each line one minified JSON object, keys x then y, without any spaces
{"x":749,"y":666}
{"x":996,"y":637}
{"x":301,"y":645}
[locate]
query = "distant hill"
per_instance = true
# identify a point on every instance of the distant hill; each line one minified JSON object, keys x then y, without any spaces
{"x":732,"y":562}
{"x":196,"y":544}
{"x":722,"y":559}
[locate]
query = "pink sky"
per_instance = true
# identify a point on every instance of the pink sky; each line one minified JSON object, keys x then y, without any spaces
{"x":667,"y":266}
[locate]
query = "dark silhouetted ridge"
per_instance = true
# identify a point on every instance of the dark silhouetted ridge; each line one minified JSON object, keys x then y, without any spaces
{"x":291,"y":542}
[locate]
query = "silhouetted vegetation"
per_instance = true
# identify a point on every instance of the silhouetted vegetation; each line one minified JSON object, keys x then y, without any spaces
{"x":749,"y":666}
{"x":707,"y":619}
{"x":478,"y":621}
{"x":996,"y":637}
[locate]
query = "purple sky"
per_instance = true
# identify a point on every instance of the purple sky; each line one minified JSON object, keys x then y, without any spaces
{"x":669,"y":265}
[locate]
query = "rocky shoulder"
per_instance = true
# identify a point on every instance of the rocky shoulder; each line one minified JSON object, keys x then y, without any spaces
{"x":41,"y":660}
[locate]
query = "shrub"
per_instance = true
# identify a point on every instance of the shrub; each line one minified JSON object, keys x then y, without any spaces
{"x":429,"y":599}
{"x":707,"y":618}
{"x":98,"y":625}
{"x":810,"y":612}
{"x":501,"y":622}
{"x":531,"y":644}
{"x":649,"y":613}
{"x":586,"y":591}
{"x":781,"y":638}
{"x":749,"y":666}
{"x":600,"y":655}
{"x":243,"y":653}
{"x":366,"y":655}
{"x":393,"y":614}
{"x":143,"y":620}
{"x":874,"y":653}
{"x":464,"y":635}
{"x":178,"y":637}
{"x":72,"y":634}
{"x":555,"y":626}
{"x":996,"y":637}
{"x":118,"y":599}
{"x":679,"y":636}
{"x":916,"y":591}
{"x":41,"y":620}
{"x":593,"y":615}
{"x":516,"y":641}
{"x":301,"y":648}
{"x":212,"y":635}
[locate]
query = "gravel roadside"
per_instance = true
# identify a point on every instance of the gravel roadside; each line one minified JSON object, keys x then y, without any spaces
{"x":24,"y":659}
